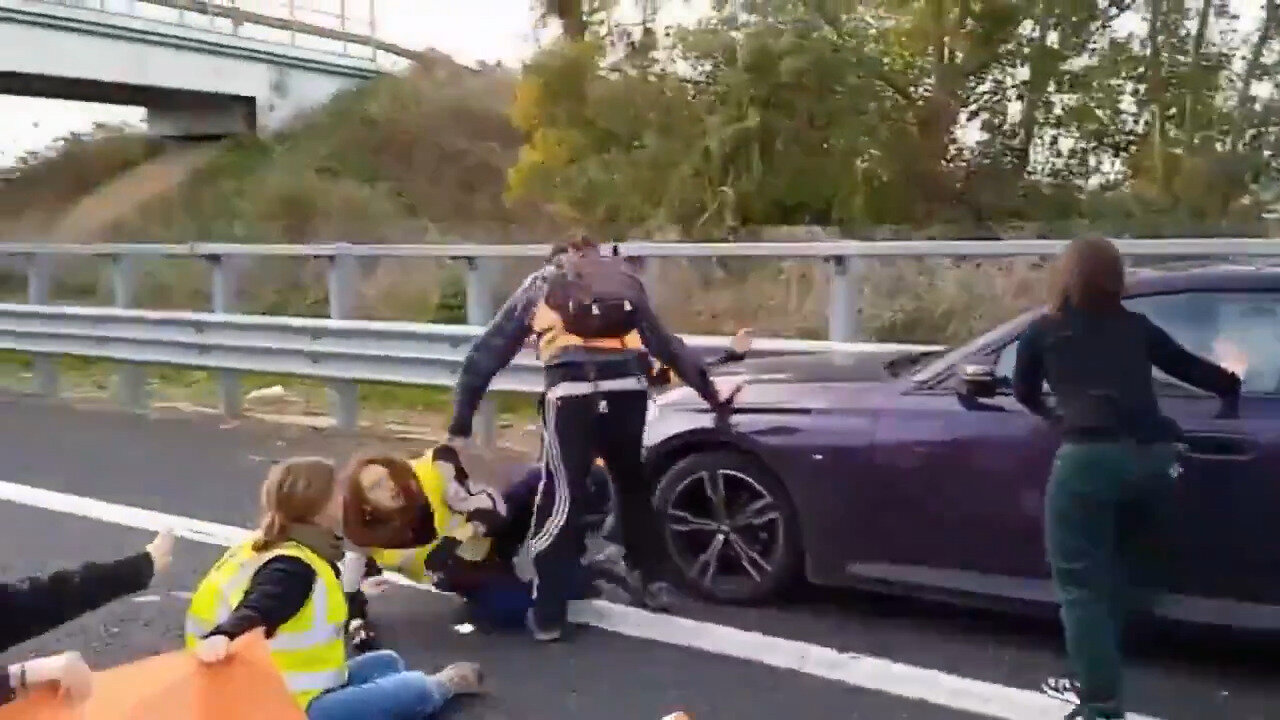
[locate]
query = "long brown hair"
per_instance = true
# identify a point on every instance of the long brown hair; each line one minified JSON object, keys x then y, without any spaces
{"x":295,"y":491}
{"x":1088,"y":275}
{"x":370,"y":526}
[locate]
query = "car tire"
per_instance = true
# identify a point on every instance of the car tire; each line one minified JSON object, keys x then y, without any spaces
{"x":785,"y":557}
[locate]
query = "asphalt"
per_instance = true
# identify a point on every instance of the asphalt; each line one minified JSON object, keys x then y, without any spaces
{"x":196,"y":467}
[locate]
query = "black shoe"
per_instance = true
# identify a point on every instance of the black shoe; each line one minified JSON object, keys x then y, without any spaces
{"x":659,"y":597}
{"x":361,"y":636}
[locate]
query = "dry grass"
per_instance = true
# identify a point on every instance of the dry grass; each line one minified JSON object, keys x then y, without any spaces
{"x":423,"y":157}
{"x":47,"y":188}
{"x":403,"y":158}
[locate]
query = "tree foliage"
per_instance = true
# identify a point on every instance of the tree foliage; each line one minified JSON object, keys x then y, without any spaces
{"x":1144,"y":115}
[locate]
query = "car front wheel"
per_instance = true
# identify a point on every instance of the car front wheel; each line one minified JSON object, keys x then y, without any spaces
{"x":729,"y":527}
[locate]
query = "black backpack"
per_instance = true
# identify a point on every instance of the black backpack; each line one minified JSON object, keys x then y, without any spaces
{"x":595,"y":295}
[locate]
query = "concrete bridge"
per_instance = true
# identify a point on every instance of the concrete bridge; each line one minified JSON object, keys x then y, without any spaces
{"x":198,"y":74}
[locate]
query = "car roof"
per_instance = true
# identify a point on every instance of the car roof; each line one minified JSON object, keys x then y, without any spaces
{"x":1215,"y":277}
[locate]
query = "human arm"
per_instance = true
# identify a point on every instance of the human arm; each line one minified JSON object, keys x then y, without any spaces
{"x":69,"y":670}
{"x":1028,"y":373}
{"x":34,"y":605}
{"x":1181,"y":364}
{"x":671,"y":351}
{"x":494,"y":350}
{"x":277,"y":591}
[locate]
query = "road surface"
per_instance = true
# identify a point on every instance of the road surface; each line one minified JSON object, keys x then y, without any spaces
{"x":850,"y":656}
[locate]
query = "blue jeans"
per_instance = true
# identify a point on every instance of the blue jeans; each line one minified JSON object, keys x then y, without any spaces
{"x":378,"y":686}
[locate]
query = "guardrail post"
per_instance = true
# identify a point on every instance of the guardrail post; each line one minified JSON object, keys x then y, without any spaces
{"x":844,"y":299}
{"x":131,"y":378}
{"x":223,"y":291}
{"x":480,"y":310}
{"x":44,"y":368}
{"x":344,"y":395}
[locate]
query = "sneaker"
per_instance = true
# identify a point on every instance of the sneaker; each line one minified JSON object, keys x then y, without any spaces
{"x":659,"y":597}
{"x":361,"y":636}
{"x":1062,"y":688}
{"x":463,"y":678}
{"x":541,"y":634}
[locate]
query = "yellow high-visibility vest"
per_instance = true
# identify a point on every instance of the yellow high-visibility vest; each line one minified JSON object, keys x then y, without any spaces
{"x":410,"y":562}
{"x":309,"y":649}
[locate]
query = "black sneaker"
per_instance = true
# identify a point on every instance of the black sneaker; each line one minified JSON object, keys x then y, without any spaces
{"x":659,"y":597}
{"x":360,"y":635}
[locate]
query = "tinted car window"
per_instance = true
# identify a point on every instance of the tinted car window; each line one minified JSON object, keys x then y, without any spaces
{"x":1240,"y":330}
{"x":1236,"y":329}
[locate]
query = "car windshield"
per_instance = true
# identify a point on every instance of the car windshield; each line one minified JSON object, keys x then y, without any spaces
{"x":907,"y":362}
{"x":956,"y":354}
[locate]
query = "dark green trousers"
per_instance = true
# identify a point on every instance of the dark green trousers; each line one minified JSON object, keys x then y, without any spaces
{"x":1106,"y":513}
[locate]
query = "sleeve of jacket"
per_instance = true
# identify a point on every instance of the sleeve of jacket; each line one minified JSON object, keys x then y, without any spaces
{"x":32,"y":606}
{"x":278,"y":591}
{"x":1028,"y":372}
{"x":1182,"y":364}
{"x":494,"y":350}
{"x":671,"y":351}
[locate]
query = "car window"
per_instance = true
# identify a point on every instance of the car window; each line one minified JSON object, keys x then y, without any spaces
{"x":950,"y":359}
{"x":1231,"y":328}
{"x":1240,"y":330}
{"x":1004,"y":368}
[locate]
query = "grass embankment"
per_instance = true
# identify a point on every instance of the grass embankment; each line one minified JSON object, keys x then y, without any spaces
{"x":422,"y":158}
{"x":379,"y":403}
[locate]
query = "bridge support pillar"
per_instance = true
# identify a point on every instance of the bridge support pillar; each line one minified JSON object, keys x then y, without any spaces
{"x":202,"y":118}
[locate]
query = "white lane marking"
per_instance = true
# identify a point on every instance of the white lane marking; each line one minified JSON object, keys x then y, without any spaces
{"x":865,"y":671}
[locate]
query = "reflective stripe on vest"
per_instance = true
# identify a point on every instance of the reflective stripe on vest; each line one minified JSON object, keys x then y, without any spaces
{"x":309,"y":649}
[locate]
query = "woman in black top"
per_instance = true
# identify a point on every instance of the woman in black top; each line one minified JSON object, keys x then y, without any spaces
{"x":1116,"y":466}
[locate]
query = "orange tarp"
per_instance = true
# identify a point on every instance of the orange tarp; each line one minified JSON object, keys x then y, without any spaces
{"x":175,"y":686}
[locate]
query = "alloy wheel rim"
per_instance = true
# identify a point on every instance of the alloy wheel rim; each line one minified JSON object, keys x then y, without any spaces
{"x":724,"y":529}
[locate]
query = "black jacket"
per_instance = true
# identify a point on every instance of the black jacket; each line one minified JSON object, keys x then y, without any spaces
{"x":1099,"y":368}
{"x":513,"y":325}
{"x":35,"y":605}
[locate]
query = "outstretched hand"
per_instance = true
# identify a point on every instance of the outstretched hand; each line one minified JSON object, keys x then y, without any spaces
{"x":741,"y":342}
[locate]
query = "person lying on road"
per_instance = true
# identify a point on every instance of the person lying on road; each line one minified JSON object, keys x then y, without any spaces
{"x":35,"y":605}
{"x":427,"y":520}
{"x":285,"y":580}
{"x":398,"y":513}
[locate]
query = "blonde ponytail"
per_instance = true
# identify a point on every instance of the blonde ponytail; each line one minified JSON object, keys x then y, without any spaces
{"x":272,"y":530}
{"x":295,"y":491}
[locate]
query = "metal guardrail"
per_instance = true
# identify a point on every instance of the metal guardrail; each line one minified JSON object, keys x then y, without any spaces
{"x":342,"y":350}
{"x":842,"y":258}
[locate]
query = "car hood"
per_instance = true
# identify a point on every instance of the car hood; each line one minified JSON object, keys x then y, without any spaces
{"x":768,"y":379}
{"x":871,"y":365}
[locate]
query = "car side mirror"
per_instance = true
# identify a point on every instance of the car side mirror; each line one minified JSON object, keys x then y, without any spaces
{"x":978,"y":381}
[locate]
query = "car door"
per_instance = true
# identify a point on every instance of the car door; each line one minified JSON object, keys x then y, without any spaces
{"x":964,"y":483}
{"x":1223,"y":542}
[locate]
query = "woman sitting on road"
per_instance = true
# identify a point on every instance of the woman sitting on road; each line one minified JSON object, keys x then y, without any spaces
{"x":35,"y":605}
{"x":285,"y":580}
{"x":1115,"y":471}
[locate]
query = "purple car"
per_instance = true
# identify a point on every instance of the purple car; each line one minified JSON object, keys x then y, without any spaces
{"x":914,"y":471}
